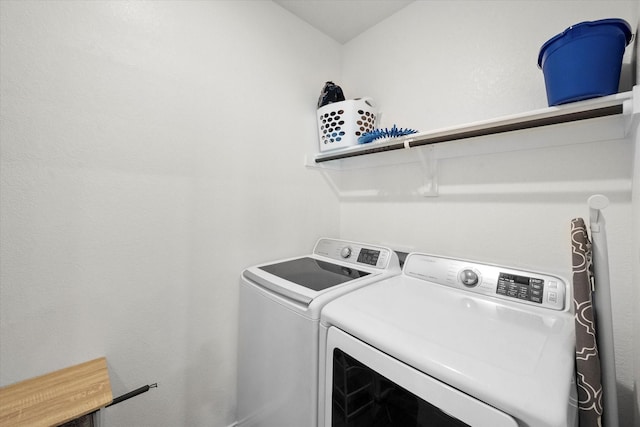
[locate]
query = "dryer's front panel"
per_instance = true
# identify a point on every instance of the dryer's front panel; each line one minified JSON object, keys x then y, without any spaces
{"x":365,"y":387}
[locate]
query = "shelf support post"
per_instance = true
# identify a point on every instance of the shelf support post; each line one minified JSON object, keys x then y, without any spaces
{"x":429,"y":162}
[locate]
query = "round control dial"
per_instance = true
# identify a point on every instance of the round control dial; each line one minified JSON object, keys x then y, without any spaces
{"x":345,"y":252}
{"x":469,"y":278}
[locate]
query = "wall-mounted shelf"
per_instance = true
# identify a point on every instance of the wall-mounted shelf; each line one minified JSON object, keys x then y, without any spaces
{"x":411,"y":166}
{"x":613,"y":105}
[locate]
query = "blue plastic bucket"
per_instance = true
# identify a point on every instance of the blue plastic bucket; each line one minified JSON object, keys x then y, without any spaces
{"x":584,"y":61}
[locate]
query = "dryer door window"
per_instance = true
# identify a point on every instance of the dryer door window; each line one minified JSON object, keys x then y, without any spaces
{"x":361,"y":397}
{"x":365,"y":387}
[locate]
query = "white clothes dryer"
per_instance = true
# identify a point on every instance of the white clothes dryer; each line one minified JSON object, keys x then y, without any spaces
{"x":280,"y":305}
{"x":450,"y":343}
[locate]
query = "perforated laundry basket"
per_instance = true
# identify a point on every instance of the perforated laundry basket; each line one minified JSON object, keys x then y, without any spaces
{"x":341,"y":123}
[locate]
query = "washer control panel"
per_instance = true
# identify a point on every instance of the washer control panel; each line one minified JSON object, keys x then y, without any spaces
{"x":356,"y":253}
{"x":536,"y":289}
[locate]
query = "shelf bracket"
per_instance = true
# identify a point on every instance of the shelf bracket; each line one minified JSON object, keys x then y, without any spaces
{"x":631,"y":110}
{"x":429,"y":162}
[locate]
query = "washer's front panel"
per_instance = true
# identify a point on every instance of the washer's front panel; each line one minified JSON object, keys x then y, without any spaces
{"x":277,"y":350}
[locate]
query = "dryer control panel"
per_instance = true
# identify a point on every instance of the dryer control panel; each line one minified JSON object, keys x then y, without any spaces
{"x":536,"y":289}
{"x":356,"y":253}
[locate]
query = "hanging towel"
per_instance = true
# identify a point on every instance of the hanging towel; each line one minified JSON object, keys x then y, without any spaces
{"x":587,"y":358}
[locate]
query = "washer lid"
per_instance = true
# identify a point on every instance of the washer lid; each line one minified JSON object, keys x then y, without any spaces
{"x":333,"y":265}
{"x":516,"y":358}
{"x":313,"y":273}
{"x":307,"y":278}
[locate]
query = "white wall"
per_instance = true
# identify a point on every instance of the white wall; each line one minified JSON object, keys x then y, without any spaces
{"x":441,"y":63}
{"x":150,"y":151}
{"x":141,"y":144}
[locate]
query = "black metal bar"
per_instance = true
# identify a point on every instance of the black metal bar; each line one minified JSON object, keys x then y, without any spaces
{"x":371,"y":150}
{"x":530,"y":124}
{"x":131,"y":394}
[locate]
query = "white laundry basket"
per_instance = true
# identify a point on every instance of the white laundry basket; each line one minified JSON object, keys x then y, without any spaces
{"x":341,"y":123}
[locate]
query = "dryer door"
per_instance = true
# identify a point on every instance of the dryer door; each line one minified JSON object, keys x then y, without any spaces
{"x":365,"y":387}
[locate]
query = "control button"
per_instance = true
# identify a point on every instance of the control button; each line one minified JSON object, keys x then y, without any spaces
{"x":468,"y":277}
{"x":523,"y":292}
{"x":501,"y":288}
{"x":512,"y":290}
{"x":537,"y":286}
{"x":536,"y":299}
{"x":553,"y":285}
{"x":383,"y":257}
{"x":345,"y":252}
{"x":552,"y":297}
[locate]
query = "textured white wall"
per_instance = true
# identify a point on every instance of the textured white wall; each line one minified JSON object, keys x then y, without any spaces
{"x":150,"y":151}
{"x":441,"y":63}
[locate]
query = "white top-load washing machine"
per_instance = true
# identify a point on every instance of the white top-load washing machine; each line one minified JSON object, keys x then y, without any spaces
{"x":450,"y":343}
{"x":280,"y":306}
